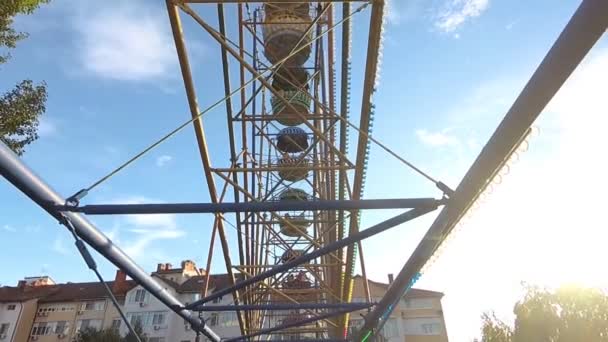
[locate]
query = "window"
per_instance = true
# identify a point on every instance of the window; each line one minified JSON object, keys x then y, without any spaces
{"x":136,"y":318}
{"x":11,"y":307}
{"x":423,"y":326}
{"x":4,"y":328}
{"x":158,"y":318}
{"x":94,"y":324}
{"x":139,"y":296}
{"x":213,"y":319}
{"x":418,"y":303}
{"x":390,"y":328}
{"x":355,"y":325}
{"x":116,"y":323}
{"x":41,"y":328}
{"x":61,"y":327}
{"x":228,"y":319}
{"x":431,"y":328}
{"x":93,"y":306}
{"x":147,"y":318}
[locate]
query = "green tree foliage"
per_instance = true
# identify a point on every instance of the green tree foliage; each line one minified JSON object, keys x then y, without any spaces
{"x":130,"y":337}
{"x":567,"y":315}
{"x":19,"y":112}
{"x":8,"y":10}
{"x":110,"y":335}
{"x":494,"y":330}
{"x":92,"y":335}
{"x":21,"y":107}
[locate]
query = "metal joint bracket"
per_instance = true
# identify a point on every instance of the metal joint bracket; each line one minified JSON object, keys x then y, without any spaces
{"x":74,"y":200}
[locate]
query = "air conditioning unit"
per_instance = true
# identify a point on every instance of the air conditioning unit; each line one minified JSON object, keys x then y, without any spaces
{"x":2,"y":337}
{"x":61,"y":336}
{"x":79,"y":312}
{"x":33,"y":337}
{"x":142,"y":304}
{"x":157,"y":327}
{"x":187,"y":327}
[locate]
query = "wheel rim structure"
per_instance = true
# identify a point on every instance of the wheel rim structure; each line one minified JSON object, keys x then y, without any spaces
{"x":291,"y":140}
{"x":294,"y":268}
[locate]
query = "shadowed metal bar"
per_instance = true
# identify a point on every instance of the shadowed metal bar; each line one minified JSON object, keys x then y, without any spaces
{"x":301,"y":306}
{"x":378,"y":228}
{"x":307,"y":340}
{"x":290,"y":325}
{"x":584,"y":29}
{"x":199,"y":131}
{"x":17,"y":173}
{"x":192,"y":208}
{"x":253,"y":1}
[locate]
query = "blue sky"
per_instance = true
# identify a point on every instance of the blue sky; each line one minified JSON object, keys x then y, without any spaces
{"x":450,"y":70}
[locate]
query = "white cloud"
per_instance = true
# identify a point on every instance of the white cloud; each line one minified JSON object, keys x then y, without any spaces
{"x":145,"y":237}
{"x":125,"y":42}
{"x":456,"y":12}
{"x":399,"y":11}
{"x":143,"y":230}
{"x":163,"y":160}
{"x":393,"y":16}
{"x":47,"y":127}
{"x":436,"y":139}
{"x":9,"y":228}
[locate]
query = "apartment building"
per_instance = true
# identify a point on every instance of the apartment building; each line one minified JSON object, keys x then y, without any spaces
{"x":18,"y":307}
{"x":418,"y":317}
{"x":186,"y":283}
{"x":72,"y":307}
{"x":38,"y":309}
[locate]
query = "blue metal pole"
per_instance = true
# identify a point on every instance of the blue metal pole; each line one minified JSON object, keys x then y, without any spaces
{"x":17,"y":173}
{"x":301,"y":306}
{"x":364,"y":234}
{"x":199,"y":208}
{"x":289,"y":325}
{"x":586,"y":26}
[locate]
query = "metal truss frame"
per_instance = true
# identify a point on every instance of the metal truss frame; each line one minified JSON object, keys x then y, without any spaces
{"x":578,"y":37}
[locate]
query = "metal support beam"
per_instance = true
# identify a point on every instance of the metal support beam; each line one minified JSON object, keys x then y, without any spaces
{"x":197,"y":123}
{"x":199,"y":208}
{"x":254,"y":1}
{"x":289,"y":325}
{"x":584,"y":29}
{"x":307,"y":340}
{"x":302,"y":306}
{"x":17,"y":173}
{"x":378,"y":228}
{"x":371,"y":69}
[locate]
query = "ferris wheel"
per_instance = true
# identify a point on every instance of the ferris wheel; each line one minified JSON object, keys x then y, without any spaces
{"x":292,"y":188}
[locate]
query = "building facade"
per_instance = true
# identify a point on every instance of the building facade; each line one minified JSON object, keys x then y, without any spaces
{"x":186,"y":283}
{"x":38,"y":309}
{"x":418,"y":317}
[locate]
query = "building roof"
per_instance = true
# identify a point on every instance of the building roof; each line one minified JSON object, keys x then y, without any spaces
{"x":167,"y":281}
{"x":16,"y":294}
{"x":196,"y":283}
{"x":84,"y":291}
{"x":412,"y":293}
{"x":62,"y":292}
